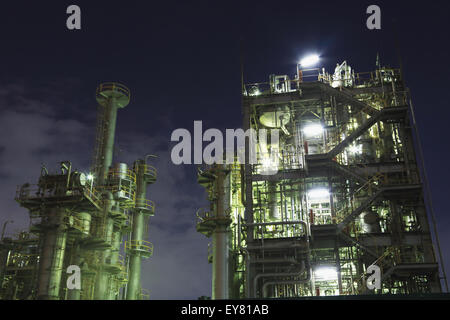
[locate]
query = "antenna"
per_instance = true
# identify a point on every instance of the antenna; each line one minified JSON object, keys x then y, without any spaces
{"x":242,"y":54}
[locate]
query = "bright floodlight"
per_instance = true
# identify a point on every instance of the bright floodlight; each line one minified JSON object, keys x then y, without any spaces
{"x":309,"y":60}
{"x":319,"y":193}
{"x":355,"y":149}
{"x":325,"y":273}
{"x":90,"y":177}
{"x":313,"y":129}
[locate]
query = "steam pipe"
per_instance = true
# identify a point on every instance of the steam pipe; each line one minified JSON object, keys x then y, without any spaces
{"x":264,"y":275}
{"x":108,"y":145}
{"x":305,"y":228}
{"x":274,"y":213}
{"x":102,"y":281}
{"x":220,"y":239}
{"x":4,"y":228}
{"x":269,"y":283}
{"x":268,"y":260}
{"x":276,"y":274}
{"x":52,"y":256}
{"x":138,"y":221}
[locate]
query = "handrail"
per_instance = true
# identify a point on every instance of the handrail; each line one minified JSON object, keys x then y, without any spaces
{"x":146,"y":204}
{"x":139,"y":245}
{"x":129,"y":193}
{"x":203,"y":215}
{"x":148,"y":169}
{"x":93,"y":194}
{"x":262,"y":88}
{"x":286,"y":227}
{"x":145,"y":294}
{"x":113,"y":86}
{"x":118,"y":173}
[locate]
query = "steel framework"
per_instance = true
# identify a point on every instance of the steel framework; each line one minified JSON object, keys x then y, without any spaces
{"x":347,"y":192}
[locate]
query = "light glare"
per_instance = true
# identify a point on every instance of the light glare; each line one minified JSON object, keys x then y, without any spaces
{"x":318,"y":193}
{"x":326,"y":273}
{"x":309,"y":60}
{"x":355,"y":149}
{"x":313,"y":130}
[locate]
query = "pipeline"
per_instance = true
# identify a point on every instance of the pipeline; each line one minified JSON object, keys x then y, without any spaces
{"x":52,"y":256}
{"x":102,"y":281}
{"x":291,"y":274}
{"x":266,"y":284}
{"x":277,"y":274}
{"x":259,"y":224}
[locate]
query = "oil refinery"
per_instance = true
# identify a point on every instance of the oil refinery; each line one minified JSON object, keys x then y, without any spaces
{"x":347,"y":194}
{"x":96,"y":222}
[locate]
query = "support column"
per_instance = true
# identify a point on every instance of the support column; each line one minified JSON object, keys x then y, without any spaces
{"x":74,"y":294}
{"x":135,"y":259}
{"x":137,"y":235}
{"x":114,"y":261}
{"x":103,"y":276}
{"x":52,"y":255}
{"x":220,"y":241}
{"x":108,"y":140}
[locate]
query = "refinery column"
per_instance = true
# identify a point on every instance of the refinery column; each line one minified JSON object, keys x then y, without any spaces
{"x":111,"y":96}
{"x":138,"y":248}
{"x":52,"y":254}
{"x":220,"y":237}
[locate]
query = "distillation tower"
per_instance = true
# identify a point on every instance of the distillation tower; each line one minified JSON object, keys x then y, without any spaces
{"x":346,"y":192}
{"x":95,"y":221}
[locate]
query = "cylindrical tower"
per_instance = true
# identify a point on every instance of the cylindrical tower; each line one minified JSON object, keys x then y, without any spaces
{"x":52,"y":255}
{"x":110,"y":96}
{"x":220,"y":239}
{"x":137,"y":247}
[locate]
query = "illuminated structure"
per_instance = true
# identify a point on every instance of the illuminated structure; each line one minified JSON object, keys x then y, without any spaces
{"x":82,"y":220}
{"x":347,"y":192}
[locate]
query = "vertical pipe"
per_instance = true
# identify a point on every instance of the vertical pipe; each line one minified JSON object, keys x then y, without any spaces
{"x":4,"y":253}
{"x":338,"y":268}
{"x":134,"y":275}
{"x":220,"y":263}
{"x":108,"y":139}
{"x":330,"y":187}
{"x":274,"y":213}
{"x":52,"y":256}
{"x":248,"y":185}
{"x":137,"y":235}
{"x":220,"y":242}
{"x":109,"y":127}
{"x":103,"y":276}
{"x":74,"y":294}
{"x":114,"y":261}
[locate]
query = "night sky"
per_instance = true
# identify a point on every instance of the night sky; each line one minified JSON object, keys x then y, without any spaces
{"x":181,"y":61}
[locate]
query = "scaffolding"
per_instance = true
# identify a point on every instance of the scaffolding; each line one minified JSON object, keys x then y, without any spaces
{"x":346,"y":192}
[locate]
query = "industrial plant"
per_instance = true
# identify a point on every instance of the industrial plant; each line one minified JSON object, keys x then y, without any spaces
{"x":91,"y":223}
{"x":346,"y":195}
